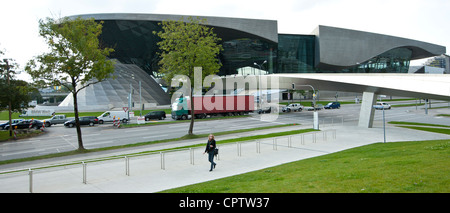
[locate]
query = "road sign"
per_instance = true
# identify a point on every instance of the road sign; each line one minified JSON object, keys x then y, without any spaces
{"x":125,"y":109}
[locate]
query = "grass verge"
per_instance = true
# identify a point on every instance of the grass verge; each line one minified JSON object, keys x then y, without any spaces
{"x":414,"y":167}
{"x":416,"y":124}
{"x":429,"y":129}
{"x":423,"y":127}
{"x":75,"y":152}
{"x":4,"y":135}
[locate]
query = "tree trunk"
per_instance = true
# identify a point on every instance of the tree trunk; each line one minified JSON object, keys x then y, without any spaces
{"x":9,"y":117}
{"x":77,"y":120}
{"x":191,"y":127}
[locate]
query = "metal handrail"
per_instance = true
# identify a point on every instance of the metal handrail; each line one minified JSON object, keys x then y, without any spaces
{"x":162,"y":155}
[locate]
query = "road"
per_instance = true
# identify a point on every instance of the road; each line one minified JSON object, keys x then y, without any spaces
{"x":60,"y":139}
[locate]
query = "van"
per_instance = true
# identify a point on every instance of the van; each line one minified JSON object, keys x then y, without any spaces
{"x":109,"y":115}
{"x":161,"y":115}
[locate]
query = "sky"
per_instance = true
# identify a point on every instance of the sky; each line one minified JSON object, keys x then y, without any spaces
{"x":423,"y":20}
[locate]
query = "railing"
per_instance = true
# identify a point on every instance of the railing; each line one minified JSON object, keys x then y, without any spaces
{"x":162,"y":154}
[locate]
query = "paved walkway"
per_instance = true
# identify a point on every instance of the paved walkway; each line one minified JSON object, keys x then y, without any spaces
{"x":146,"y":175}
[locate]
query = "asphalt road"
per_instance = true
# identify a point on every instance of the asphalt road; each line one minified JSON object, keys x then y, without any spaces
{"x":60,"y":139}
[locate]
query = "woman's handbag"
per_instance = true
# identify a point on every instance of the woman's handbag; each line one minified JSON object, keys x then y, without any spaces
{"x":216,"y":151}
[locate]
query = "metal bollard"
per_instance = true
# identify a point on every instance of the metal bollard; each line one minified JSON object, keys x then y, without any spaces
{"x":191,"y":152}
{"x":238,"y":146}
{"x":274,"y":143}
{"x":84,"y":172}
{"x":127,"y":166}
{"x":163,"y":164}
{"x":258,"y":146}
{"x":314,"y":137}
{"x":30,"y":174}
{"x":218,"y":155}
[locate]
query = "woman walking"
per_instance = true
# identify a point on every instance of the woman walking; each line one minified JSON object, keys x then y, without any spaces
{"x":210,"y":146}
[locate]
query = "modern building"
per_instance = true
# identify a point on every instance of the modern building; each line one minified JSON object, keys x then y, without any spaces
{"x":331,"y":58}
{"x":442,"y":61}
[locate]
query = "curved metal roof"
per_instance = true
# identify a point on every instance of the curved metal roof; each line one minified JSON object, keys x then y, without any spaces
{"x":341,"y":48}
{"x":266,"y":29}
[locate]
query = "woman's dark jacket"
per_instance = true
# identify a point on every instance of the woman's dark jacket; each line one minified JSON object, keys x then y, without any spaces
{"x":208,"y":148}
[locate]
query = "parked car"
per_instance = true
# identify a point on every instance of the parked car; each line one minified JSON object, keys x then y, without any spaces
{"x":264,"y":110}
{"x":267,"y":109}
{"x":312,"y":108}
{"x":2,"y":126}
{"x":86,"y":120}
{"x":25,"y":124}
{"x":332,"y":105}
{"x":161,"y":115}
{"x":57,"y":119}
{"x":381,"y":105}
{"x":292,"y":107}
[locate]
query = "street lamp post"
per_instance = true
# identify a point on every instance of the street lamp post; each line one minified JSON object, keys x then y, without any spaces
{"x":316,"y":114}
{"x":259,"y":85}
{"x":384,"y":121}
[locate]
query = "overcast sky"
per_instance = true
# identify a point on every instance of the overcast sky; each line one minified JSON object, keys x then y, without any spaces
{"x":424,"y":20}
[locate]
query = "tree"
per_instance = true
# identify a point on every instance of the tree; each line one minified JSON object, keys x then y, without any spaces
{"x":185,"y":45}
{"x":14,"y":95}
{"x":75,"y":57}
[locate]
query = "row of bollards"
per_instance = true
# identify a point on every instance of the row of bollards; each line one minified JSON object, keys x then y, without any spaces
{"x":191,"y":151}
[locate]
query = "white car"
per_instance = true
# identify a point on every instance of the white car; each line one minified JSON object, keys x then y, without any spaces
{"x":382,"y":105}
{"x":292,"y":107}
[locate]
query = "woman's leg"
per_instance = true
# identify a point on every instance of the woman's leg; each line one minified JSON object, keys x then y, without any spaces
{"x":211,"y":159}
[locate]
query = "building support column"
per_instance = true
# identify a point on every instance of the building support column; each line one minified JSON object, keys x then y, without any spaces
{"x":367,"y":111}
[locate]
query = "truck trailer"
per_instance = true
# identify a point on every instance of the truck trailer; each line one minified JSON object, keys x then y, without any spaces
{"x":226,"y":105}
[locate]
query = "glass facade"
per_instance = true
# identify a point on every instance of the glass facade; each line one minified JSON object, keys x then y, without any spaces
{"x":295,"y":53}
{"x":135,"y":43}
{"x":393,"y":61}
{"x":244,"y":52}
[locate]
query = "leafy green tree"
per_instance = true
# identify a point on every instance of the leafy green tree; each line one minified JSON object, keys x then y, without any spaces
{"x":14,"y":94}
{"x":75,"y":57}
{"x":185,"y":45}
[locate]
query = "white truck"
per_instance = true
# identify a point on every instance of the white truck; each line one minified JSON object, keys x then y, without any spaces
{"x":37,"y":112}
{"x":108,"y":116}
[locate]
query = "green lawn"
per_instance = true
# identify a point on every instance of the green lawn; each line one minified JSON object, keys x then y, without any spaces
{"x":399,"y":167}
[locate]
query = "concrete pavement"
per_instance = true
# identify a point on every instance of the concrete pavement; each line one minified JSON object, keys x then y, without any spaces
{"x":146,"y":175}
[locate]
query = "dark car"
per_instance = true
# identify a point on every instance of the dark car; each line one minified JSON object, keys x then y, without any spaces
{"x":86,"y":120}
{"x":25,"y":124}
{"x":268,"y":109}
{"x":3,"y":125}
{"x":333,"y":105}
{"x":161,"y":115}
